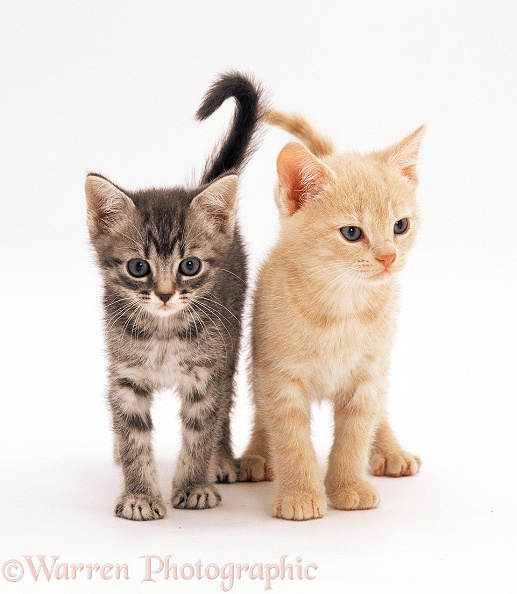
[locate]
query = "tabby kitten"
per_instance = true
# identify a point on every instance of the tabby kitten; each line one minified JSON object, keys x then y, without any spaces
{"x":174,"y":273}
{"x":324,"y":320}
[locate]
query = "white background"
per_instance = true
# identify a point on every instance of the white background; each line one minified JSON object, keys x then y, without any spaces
{"x":112,"y":87}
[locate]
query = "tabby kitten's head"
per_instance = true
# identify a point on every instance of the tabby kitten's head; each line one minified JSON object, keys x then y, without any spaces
{"x":159,"y":250}
{"x":350,"y":219}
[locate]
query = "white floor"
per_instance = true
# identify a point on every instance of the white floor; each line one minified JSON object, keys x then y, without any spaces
{"x":114,"y":89}
{"x":452,"y":528}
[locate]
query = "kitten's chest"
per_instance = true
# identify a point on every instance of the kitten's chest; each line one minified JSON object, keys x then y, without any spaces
{"x":166,"y":362}
{"x":343,"y":346}
{"x":337,"y":354}
{"x":161,"y":362}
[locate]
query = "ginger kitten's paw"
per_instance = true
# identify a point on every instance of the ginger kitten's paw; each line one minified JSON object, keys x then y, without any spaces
{"x":140,"y":507}
{"x":357,"y":496}
{"x":255,"y":468}
{"x":300,"y":506}
{"x":226,"y":470}
{"x":395,"y":464}
{"x":196,"y":498}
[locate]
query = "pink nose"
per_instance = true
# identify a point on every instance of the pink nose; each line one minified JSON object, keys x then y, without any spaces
{"x":386,"y":259}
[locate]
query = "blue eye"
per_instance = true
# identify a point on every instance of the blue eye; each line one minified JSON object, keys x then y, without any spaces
{"x":190,"y":266}
{"x":401,"y":226}
{"x":351,"y":233}
{"x":138,"y":268}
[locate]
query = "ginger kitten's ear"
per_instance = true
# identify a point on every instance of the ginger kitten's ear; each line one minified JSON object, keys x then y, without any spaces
{"x":217,"y":203}
{"x":301,"y":176}
{"x":108,"y":206}
{"x":404,"y":154}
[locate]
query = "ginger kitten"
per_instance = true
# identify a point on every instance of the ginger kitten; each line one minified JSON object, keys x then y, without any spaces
{"x":324,"y":320}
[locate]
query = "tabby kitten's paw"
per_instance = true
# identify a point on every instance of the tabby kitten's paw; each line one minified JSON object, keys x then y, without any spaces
{"x":395,"y":464}
{"x":255,"y":468}
{"x":140,"y":507}
{"x":226,"y":470}
{"x":357,"y":496}
{"x":300,"y":506}
{"x":196,"y":498}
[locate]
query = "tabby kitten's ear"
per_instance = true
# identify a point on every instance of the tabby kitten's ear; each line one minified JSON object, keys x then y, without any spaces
{"x":217,"y":204}
{"x":108,"y":206}
{"x":404,"y":154}
{"x":301,"y":176}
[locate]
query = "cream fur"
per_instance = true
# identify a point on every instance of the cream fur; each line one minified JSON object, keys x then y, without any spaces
{"x":324,"y":320}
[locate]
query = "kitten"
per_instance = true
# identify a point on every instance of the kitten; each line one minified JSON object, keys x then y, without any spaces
{"x":174,"y":272}
{"x":324,"y":319}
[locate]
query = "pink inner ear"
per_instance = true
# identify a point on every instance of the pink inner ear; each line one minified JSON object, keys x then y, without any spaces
{"x":410,"y":173}
{"x":301,"y":176}
{"x":289,"y":173}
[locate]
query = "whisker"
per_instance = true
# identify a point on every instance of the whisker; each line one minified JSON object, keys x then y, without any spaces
{"x":218,"y":331}
{"x":233,"y":274}
{"x":212,"y":311}
{"x":216,"y":302}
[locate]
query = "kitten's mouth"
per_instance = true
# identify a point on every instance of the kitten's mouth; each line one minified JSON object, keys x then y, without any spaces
{"x":382,"y":274}
{"x":165,"y":309}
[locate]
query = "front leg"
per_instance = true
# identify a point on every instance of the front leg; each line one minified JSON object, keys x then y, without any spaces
{"x":202,"y":418}
{"x":355,"y":419}
{"x":130,"y":404}
{"x":387,"y":457}
{"x":287,"y":416}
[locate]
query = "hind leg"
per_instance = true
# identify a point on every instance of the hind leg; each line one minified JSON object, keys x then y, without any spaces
{"x":255,"y":464}
{"x":388,"y":458}
{"x":226,"y":467}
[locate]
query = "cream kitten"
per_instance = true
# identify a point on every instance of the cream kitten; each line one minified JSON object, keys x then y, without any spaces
{"x":324,"y":320}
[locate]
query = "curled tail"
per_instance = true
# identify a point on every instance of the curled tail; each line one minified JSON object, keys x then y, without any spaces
{"x":319,"y":145}
{"x":236,"y":147}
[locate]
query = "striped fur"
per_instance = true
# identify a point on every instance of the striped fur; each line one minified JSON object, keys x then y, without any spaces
{"x":169,"y":329}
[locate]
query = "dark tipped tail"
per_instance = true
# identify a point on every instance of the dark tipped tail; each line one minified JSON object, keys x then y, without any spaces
{"x":237,"y":146}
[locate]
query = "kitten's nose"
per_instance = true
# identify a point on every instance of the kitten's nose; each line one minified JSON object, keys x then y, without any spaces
{"x":164,"y":296}
{"x":386,"y":259}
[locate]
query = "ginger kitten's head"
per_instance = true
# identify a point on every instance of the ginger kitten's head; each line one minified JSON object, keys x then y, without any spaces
{"x":349,"y":219}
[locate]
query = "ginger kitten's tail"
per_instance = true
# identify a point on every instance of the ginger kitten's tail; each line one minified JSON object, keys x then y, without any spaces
{"x":319,"y":145}
{"x":236,"y":147}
